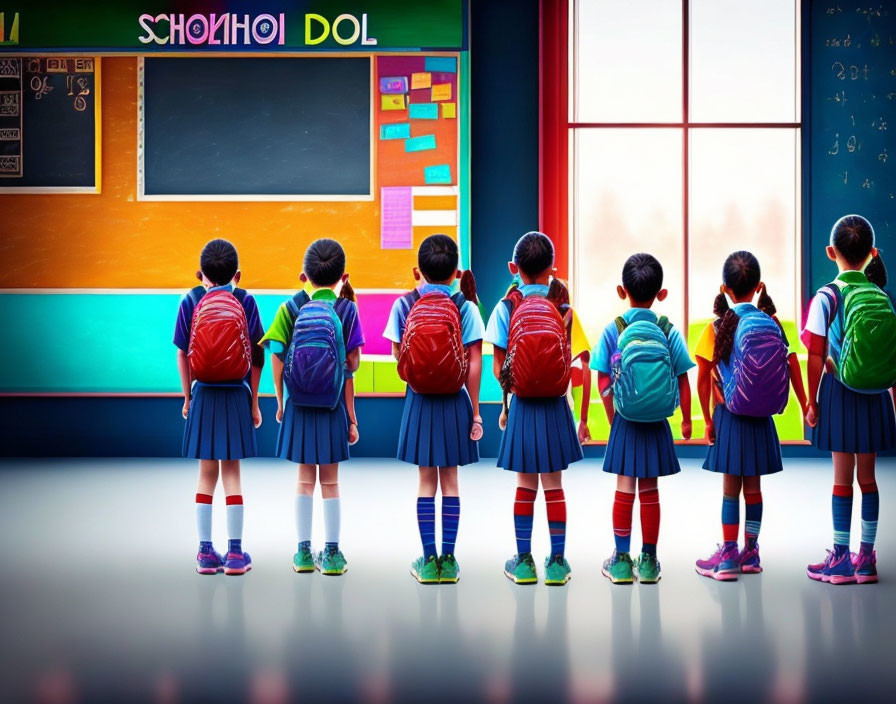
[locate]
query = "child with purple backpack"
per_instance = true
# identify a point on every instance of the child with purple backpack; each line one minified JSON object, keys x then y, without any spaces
{"x":744,"y":369}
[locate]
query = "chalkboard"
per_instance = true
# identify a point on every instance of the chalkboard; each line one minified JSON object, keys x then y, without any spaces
{"x":852,"y":122}
{"x":282,"y":128}
{"x":48,"y":123}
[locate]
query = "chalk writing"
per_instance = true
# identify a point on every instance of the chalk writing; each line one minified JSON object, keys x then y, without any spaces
{"x":13,"y":134}
{"x":40,"y":86}
{"x":10,"y":68}
{"x":9,"y":164}
{"x":882,"y":157}
{"x":834,"y":150}
{"x":10,"y":103}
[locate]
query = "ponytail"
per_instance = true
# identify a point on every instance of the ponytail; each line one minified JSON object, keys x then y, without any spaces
{"x":468,"y":286}
{"x":347,"y":291}
{"x":876,"y":272}
{"x":720,"y":305}
{"x":558,"y":294}
{"x":765,"y":302}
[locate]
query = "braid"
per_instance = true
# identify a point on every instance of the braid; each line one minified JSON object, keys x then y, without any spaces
{"x":725,"y":336}
{"x":720,"y":305}
{"x":765,"y":302}
{"x":347,"y":292}
{"x":468,"y":286}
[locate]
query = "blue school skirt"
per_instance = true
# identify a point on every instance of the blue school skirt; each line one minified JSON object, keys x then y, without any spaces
{"x":641,"y":450}
{"x":540,"y":436}
{"x":219,"y":423}
{"x":745,"y":446}
{"x":313,"y":435}
{"x":849,"y":421}
{"x":435,"y":430}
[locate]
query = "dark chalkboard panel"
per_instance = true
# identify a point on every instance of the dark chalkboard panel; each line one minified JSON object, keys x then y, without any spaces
{"x":852,"y":122}
{"x":48,"y":122}
{"x":231,"y":127}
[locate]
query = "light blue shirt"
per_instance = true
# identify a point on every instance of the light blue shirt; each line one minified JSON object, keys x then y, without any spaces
{"x":602,"y":355}
{"x":499,"y":321}
{"x":470,"y":320}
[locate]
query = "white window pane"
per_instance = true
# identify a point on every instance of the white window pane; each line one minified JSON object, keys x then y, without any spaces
{"x":743,"y":61}
{"x":628,"y":61}
{"x":628,"y":199}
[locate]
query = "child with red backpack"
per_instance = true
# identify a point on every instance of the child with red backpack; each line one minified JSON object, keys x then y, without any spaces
{"x":530,"y":330}
{"x":745,"y":369}
{"x":219,"y":360}
{"x":851,"y":335}
{"x":642,"y":363}
{"x":436,"y":337}
{"x":316,"y":344}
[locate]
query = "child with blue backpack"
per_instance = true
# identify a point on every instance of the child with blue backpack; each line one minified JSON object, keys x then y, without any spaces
{"x":851,"y":335}
{"x":220,"y":365}
{"x":436,"y":337}
{"x":642,"y":364}
{"x":316,"y":344}
{"x":744,"y":369}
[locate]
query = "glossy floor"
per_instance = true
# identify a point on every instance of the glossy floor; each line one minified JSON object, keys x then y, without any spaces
{"x":100,"y":602}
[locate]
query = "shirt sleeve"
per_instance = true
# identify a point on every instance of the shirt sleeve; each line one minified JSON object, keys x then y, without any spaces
{"x":706,"y":345}
{"x":280,"y":330}
{"x":472,"y":329}
{"x":351,"y":328}
{"x":818,"y":319}
{"x":183,"y":324}
{"x":253,"y":318}
{"x":395,"y":324}
{"x":681,"y":360}
{"x":498,"y":326}
{"x":602,"y":355}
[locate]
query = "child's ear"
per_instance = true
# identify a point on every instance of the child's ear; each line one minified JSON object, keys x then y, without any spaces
{"x":661,"y":296}
{"x":303,"y":278}
{"x":416,"y":274}
{"x":831,"y":252}
{"x":199,"y":275}
{"x":874,"y":253}
{"x":513,"y":268}
{"x":620,"y":290}
{"x":236,"y":277}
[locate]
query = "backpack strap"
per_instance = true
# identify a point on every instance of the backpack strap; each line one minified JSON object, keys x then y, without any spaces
{"x":512,"y":299}
{"x":196,"y":293}
{"x":239,"y":294}
{"x":620,"y":324}
{"x":294,"y":304}
{"x":459,"y":299}
{"x":835,"y":293}
{"x":665,"y":325}
{"x":412,"y":297}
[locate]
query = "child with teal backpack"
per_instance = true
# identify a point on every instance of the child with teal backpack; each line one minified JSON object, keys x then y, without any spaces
{"x":642,"y":363}
{"x":851,"y":335}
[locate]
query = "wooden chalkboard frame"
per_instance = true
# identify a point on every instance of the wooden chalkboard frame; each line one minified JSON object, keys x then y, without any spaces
{"x":247,"y":197}
{"x":96,"y":188}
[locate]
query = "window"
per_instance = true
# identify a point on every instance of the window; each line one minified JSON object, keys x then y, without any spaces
{"x":684,"y":142}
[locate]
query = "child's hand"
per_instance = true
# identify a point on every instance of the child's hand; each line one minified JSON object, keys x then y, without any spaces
{"x":584,"y":432}
{"x":502,"y":420}
{"x":710,"y":433}
{"x":686,"y":429}
{"x":353,"y":433}
{"x":812,"y":414}
{"x":476,"y":430}
{"x":186,"y":409}
{"x":279,"y":411}
{"x":256,"y":414}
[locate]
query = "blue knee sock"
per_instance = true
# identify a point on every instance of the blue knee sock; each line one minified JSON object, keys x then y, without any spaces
{"x":450,"y":519}
{"x":730,"y":518}
{"x":523,"y":509}
{"x":426,"y":520}
{"x":870,"y":510}
{"x":841,"y":509}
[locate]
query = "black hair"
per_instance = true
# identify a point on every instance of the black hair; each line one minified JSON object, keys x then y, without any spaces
{"x":533,"y":253}
{"x":219,"y":262}
{"x":437,"y":258}
{"x":853,"y":237}
{"x":642,"y":277}
{"x":324,"y":262}
{"x":876,"y":271}
{"x":741,"y":273}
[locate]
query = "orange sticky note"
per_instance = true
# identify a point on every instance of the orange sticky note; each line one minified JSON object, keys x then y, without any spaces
{"x":441,"y":91}
{"x":421,"y":80}
{"x":393,"y":102}
{"x":449,"y":110}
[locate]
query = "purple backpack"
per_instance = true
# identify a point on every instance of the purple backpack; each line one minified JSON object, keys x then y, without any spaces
{"x":756,"y":377}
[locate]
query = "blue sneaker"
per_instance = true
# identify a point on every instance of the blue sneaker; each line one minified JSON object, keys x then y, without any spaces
{"x":237,"y":562}
{"x":865,"y":564}
{"x":208,"y":560}
{"x":837,"y":568}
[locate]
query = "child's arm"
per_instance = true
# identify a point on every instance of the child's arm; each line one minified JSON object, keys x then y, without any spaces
{"x":474,"y":378}
{"x":277,"y":371}
{"x":352,"y":362}
{"x":584,"y":432}
{"x":704,"y":393}
{"x":796,"y":381}
{"x":814,"y":369}
{"x":395,"y":350}
{"x":605,"y":389}
{"x":499,"y":355}
{"x":684,"y":394}
{"x":254,"y":378}
{"x":183,"y":368}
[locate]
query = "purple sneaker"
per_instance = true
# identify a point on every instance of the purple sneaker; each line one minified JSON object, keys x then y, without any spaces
{"x":237,"y":563}
{"x":208,"y":560}
{"x":722,"y":565}
{"x":749,"y":560}
{"x":837,"y":568}
{"x":865,"y":566}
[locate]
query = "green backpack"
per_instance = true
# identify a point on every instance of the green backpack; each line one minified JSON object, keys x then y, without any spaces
{"x":868,"y":352}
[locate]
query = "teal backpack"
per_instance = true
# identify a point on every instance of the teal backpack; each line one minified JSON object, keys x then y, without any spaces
{"x":645,"y":388}
{"x":868,"y":352}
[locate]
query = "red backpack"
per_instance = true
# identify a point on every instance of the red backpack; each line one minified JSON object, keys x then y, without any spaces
{"x":538,"y":354}
{"x":220,"y":349}
{"x":432,"y":358}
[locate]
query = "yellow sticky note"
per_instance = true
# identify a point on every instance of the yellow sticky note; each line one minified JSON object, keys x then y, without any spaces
{"x":421,"y":80}
{"x":449,"y":110}
{"x":441,"y":91}
{"x":393,"y":102}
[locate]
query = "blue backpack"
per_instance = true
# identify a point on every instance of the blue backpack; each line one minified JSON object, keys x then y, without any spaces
{"x":314,"y":369}
{"x":645,"y":389}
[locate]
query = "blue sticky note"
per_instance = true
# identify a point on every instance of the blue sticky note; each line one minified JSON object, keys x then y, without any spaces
{"x":424,"y":111}
{"x":437,"y":174}
{"x":395,"y":130}
{"x":419,"y":144}
{"x":394,"y":84}
{"x":442,"y":64}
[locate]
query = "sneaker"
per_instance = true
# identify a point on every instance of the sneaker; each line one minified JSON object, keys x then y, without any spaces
{"x":837,"y":568}
{"x":303,"y":560}
{"x":331,"y":562}
{"x":618,"y":568}
{"x":556,"y":571}
{"x":722,"y":565}
{"x":449,"y":572}
{"x":648,"y":568}
{"x":237,"y":563}
{"x":749,"y":560}
{"x":426,"y":571}
{"x":865,"y":565}
{"x":208,"y":560}
{"x":521,"y":569}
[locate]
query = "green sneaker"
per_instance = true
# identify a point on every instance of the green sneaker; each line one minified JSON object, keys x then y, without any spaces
{"x":303,"y":561}
{"x":449,"y":572}
{"x":521,"y":569}
{"x":618,"y":568}
{"x":648,"y":569}
{"x":426,"y":571}
{"x":556,"y":571}
{"x":331,"y":562}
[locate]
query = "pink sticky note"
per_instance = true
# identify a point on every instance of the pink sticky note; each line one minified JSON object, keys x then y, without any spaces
{"x":396,"y":205}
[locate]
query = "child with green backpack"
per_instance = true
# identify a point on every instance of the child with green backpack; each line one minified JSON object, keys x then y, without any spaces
{"x":642,"y":363}
{"x":851,"y":335}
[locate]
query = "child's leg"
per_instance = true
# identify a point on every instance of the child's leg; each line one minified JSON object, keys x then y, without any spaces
{"x":523,"y":510}
{"x":623,"y":505}
{"x":450,"y":508}
{"x":426,"y":510}
{"x":329,"y":490}
{"x":230,"y":478}
{"x":731,"y":486}
{"x":870,"y":499}
{"x":555,"y":502}
{"x":753,"y":502}
{"x":305,"y":503}
{"x":649,"y":498}
{"x":841,"y":501}
{"x":205,"y":490}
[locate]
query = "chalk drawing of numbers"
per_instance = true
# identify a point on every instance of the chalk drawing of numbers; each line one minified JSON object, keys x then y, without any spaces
{"x":40,"y":86}
{"x":835,"y":149}
{"x":883,"y":156}
{"x":78,"y":86}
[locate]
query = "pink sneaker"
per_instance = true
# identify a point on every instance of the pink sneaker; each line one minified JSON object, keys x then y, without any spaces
{"x":865,"y":565}
{"x":722,"y":565}
{"x":749,"y":560}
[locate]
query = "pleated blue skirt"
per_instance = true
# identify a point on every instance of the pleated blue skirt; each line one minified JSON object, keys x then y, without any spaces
{"x":313,"y":435}
{"x":745,"y":446}
{"x":540,"y":436}
{"x":641,"y":450}
{"x":219,"y":423}
{"x":435,"y":430}
{"x":849,"y":421}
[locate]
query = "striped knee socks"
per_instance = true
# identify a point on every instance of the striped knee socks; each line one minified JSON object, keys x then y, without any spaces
{"x":450,"y":519}
{"x":870,"y":509}
{"x":555,"y":500}
{"x":650,"y":519}
{"x":426,"y":520}
{"x":523,"y":509}
{"x":841,"y":509}
{"x":753,"y":521}
{"x":730,"y":518}
{"x":622,"y":520}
